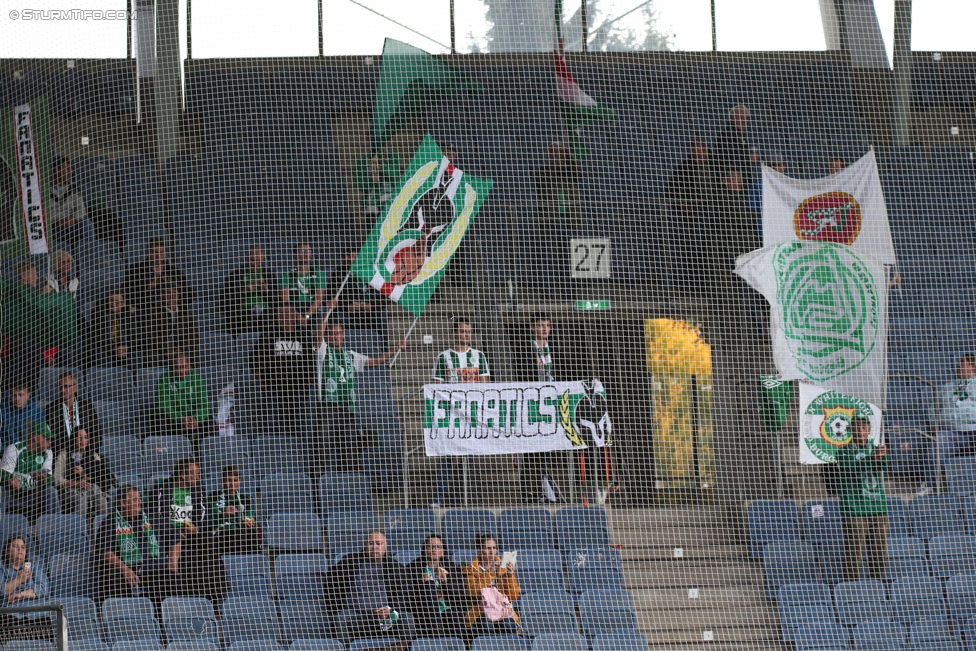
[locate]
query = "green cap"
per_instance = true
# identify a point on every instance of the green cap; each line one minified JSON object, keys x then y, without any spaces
{"x":42,"y":429}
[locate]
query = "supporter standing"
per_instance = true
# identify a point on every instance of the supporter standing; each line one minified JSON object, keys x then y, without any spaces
{"x":248,"y":295}
{"x":459,"y":364}
{"x":484,"y":571}
{"x":303,"y":286}
{"x":863,"y":504}
{"x":957,"y":420}
{"x":439,"y":596}
{"x":370,"y":593}
{"x":692,"y":182}
{"x":18,"y":412}
{"x":66,"y":210}
{"x":282,"y":361}
{"x":337,"y":368}
{"x":376,"y":178}
{"x":232,"y":520}
{"x":557,"y":186}
{"x":170,"y":325}
{"x":354,"y":303}
{"x":144,"y":281}
{"x":111,"y":337}
{"x":83,"y":478}
{"x":25,"y":472}
{"x":732,"y":150}
{"x":182,"y":403}
{"x":71,"y":415}
{"x":754,"y":199}
{"x":835,"y":165}
{"x":24,"y":357}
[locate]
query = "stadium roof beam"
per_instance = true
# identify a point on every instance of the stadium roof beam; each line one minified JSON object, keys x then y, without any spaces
{"x":852,"y":26}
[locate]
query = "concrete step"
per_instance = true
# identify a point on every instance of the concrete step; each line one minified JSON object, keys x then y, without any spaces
{"x":667,"y":552}
{"x":709,"y":619}
{"x":720,"y":635}
{"x":691,"y":574}
{"x":708,"y":598}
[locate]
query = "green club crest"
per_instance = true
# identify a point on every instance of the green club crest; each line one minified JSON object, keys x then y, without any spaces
{"x":829,"y":307}
{"x":826,"y":424}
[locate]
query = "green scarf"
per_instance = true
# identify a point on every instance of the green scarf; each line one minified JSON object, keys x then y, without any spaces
{"x":129,"y":549}
{"x":442,"y":606}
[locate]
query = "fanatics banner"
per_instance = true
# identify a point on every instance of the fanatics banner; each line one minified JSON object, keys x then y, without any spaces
{"x":515,"y":418}
{"x":420,"y":229}
{"x":825,"y":422}
{"x":845,"y":208}
{"x":829,"y":313}
{"x":24,"y":180}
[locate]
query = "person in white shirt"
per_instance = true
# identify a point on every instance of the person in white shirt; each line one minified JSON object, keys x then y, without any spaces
{"x":457,"y":365}
{"x":957,"y":419}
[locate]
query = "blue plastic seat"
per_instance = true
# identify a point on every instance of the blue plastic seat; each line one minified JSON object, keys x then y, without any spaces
{"x":347,"y":532}
{"x":317,"y":645}
{"x":287,"y":492}
{"x":914,"y":598}
{"x":370,"y":643}
{"x":294,"y":532}
{"x":124,"y":455}
{"x":620,"y":641}
{"x":802,"y":604}
{"x":114,"y":383}
{"x":129,"y":618}
{"x":277,"y":454}
{"x":117,"y":417}
{"x":789,"y":562}
{"x":607,"y":611}
{"x":31,"y":645}
{"x":406,"y":530}
{"x":952,"y":555}
{"x":524,"y":529}
{"x":68,"y":575}
{"x":82,"y":616}
{"x":547,"y":612}
{"x":302,"y":619}
{"x":300,"y":577}
{"x":961,"y":598}
{"x":822,"y":528}
{"x":582,"y":527}
{"x":880,"y":635}
{"x":932,"y":634}
{"x":263,"y":644}
{"x":559,"y":642}
{"x":217,"y":452}
{"x":935,"y":515}
{"x":500,"y":643}
{"x":906,"y":557}
{"x":594,"y":569}
{"x":462,"y":526}
{"x":192,"y":646}
{"x":190,"y":619}
{"x":160,"y":454}
{"x":541,"y":570}
{"x":62,"y":534}
{"x":217,"y":349}
{"x":247,"y":574}
{"x":249,"y":618}
{"x":860,"y":601}
{"x":822,"y":637}
{"x":438,"y":644}
{"x":91,"y":644}
{"x":961,"y":476}
{"x":344,"y":491}
{"x":898,"y":521}
{"x":772,"y":520}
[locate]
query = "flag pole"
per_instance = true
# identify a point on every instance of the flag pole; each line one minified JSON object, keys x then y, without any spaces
{"x":582,"y":465}
{"x":406,"y":336}
{"x":345,"y":280}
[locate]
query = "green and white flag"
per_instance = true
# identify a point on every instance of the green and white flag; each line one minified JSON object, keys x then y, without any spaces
{"x":515,"y":418}
{"x":24,"y":179}
{"x":578,"y":108}
{"x":410,"y":82}
{"x":825,"y":422}
{"x":829,"y":314}
{"x":412,"y":243}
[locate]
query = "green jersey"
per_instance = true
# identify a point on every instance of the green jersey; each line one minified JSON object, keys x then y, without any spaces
{"x":217,"y":504}
{"x":454,"y":367}
{"x":178,"y":399}
{"x":253,"y":300}
{"x":302,"y":286}
{"x":180,"y":506}
{"x":337,"y":371}
{"x":20,"y":462}
{"x":861,"y":481}
{"x":376,"y":181}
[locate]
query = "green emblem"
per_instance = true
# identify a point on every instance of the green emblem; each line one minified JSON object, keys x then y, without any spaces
{"x":830,"y":307}
{"x":826,"y":424}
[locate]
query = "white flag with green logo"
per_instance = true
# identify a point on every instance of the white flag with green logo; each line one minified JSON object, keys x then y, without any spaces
{"x":826,"y":419}
{"x":829,"y":313}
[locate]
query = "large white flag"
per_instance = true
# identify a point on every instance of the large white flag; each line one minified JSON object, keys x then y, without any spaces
{"x":829,"y":314}
{"x":845,"y":208}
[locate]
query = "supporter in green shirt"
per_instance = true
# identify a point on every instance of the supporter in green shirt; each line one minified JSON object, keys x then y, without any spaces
{"x":376,"y":179}
{"x":182,"y":401}
{"x":26,"y":474}
{"x":863,"y":504}
{"x":303,"y":286}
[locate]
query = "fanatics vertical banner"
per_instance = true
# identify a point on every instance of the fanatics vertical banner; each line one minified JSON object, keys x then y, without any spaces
{"x":512,"y":418}
{"x":845,"y":208}
{"x":825,"y":422}
{"x":412,"y":243}
{"x":829,"y":313}
{"x":24,"y":183}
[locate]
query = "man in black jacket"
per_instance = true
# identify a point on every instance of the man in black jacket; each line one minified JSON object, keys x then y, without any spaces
{"x":178,"y":513}
{"x":67,"y":416}
{"x":370,"y":593}
{"x":144,"y":281}
{"x":248,"y":295}
{"x":111,"y":338}
{"x":732,"y":151}
{"x":440,"y":601}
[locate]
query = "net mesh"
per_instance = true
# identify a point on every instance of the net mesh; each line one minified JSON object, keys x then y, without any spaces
{"x":560,"y":339}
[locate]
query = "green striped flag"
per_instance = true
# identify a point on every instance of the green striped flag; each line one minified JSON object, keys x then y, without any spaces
{"x":578,"y":108}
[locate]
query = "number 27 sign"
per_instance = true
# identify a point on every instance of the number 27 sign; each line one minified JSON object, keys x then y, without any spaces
{"x":589,"y":257}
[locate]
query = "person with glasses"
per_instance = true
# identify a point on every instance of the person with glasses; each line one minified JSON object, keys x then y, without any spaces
{"x":956,"y":422}
{"x":303,"y":286}
{"x":438,"y":591}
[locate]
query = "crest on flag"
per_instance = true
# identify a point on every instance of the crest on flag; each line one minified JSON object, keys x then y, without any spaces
{"x":827,"y":422}
{"x":410,"y":246}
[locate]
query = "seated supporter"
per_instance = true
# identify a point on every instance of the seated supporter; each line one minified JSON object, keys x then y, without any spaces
{"x":439,"y":599}
{"x":231,"y":514}
{"x":83,"y":478}
{"x":182,"y":403}
{"x":486,"y":570}
{"x":17,"y":410}
{"x":24,"y":580}
{"x":72,"y":415}
{"x":303,"y":286}
{"x":26,"y":474}
{"x":111,"y":336}
{"x":145,"y":280}
{"x":62,"y":279}
{"x":178,"y":514}
{"x":956,"y":423}
{"x":24,"y":357}
{"x":168,"y":326}
{"x":126,"y":557}
{"x":248,"y":295}
{"x":66,"y":210}
{"x":369,"y":591}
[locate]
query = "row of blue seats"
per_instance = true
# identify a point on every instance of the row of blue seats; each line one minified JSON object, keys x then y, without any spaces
{"x":883,"y":635}
{"x":904,"y":602}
